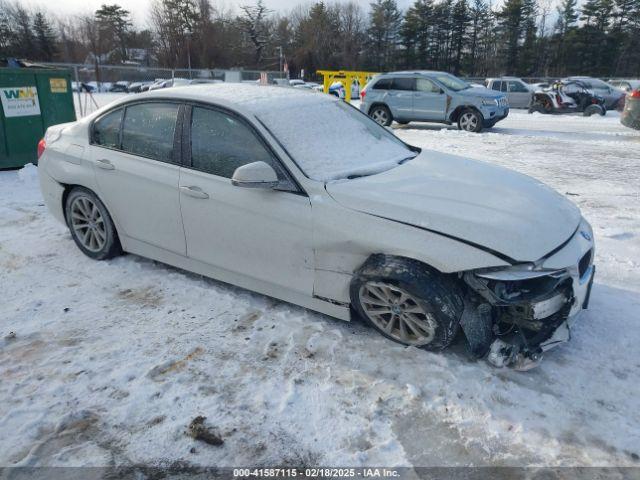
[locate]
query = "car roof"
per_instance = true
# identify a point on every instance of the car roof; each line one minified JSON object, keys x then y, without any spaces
{"x":252,"y":98}
{"x":417,"y":72}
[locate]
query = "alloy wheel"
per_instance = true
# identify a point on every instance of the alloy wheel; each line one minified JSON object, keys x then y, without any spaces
{"x":88,"y":224}
{"x":380,"y":116}
{"x":397,"y":313}
{"x":469,"y":121}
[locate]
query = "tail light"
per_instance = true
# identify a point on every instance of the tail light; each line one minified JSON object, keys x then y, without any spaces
{"x":41,"y":146}
{"x":635,"y":93}
{"x":363,"y":93}
{"x":558,"y":99}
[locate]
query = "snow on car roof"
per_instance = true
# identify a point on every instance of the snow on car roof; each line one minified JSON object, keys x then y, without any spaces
{"x":251,"y":97}
{"x":327,"y":138}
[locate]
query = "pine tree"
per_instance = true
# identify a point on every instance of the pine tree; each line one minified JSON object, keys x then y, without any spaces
{"x":460,"y":20}
{"x":510,"y":23}
{"x":114,"y":25}
{"x":383,"y":33}
{"x":45,"y":37}
{"x":24,"y":40}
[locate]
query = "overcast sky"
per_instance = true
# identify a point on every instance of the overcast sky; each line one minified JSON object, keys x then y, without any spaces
{"x":140,"y":8}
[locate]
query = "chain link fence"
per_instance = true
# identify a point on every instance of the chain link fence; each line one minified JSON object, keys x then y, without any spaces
{"x":105,"y":78}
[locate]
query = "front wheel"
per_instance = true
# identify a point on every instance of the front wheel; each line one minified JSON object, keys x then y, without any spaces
{"x":381,"y":115}
{"x":470,"y":121}
{"x":407,"y":302}
{"x":91,"y":226}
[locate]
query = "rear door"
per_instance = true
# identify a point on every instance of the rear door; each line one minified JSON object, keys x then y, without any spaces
{"x":429,"y":101}
{"x":133,"y":150}
{"x":400,"y":97}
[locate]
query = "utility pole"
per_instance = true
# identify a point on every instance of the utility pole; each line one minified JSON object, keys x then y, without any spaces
{"x":280,"y":59}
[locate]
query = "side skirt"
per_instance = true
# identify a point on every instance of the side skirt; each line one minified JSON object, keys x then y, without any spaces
{"x":143,"y":249}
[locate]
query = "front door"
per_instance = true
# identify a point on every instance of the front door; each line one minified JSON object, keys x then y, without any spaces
{"x":262,"y":234}
{"x":518,"y":94}
{"x":429,"y":101}
{"x":137,"y":173}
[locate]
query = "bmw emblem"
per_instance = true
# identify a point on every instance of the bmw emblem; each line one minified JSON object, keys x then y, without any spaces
{"x":585,"y":235}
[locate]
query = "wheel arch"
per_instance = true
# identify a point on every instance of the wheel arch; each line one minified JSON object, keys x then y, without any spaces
{"x":455,"y":114}
{"x":68,"y":188}
{"x":378,"y":104}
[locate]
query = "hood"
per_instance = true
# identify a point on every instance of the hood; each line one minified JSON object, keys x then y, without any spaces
{"x":479,"y":203}
{"x":480,"y":92}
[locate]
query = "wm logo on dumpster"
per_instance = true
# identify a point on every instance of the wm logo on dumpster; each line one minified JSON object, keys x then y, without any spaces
{"x":19,"y":101}
{"x":23,"y":93}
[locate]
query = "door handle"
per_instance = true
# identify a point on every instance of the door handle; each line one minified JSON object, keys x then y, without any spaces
{"x":194,"y":192}
{"x":106,"y":164}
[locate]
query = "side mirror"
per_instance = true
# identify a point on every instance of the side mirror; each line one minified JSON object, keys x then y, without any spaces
{"x":255,"y":175}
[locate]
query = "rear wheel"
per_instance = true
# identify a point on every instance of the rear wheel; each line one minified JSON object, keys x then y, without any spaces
{"x":91,"y":226}
{"x":381,"y":115}
{"x":470,"y":121}
{"x":593,"y":110}
{"x":407,"y":302}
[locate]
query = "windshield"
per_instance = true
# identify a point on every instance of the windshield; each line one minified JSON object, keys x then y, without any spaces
{"x":451,"y":82}
{"x":331,"y":140}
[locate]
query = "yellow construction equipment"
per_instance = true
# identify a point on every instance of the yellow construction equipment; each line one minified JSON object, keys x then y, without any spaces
{"x":346,"y":77}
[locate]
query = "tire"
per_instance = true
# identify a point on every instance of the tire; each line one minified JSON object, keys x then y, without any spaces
{"x":381,"y":115}
{"x":90,"y":224}
{"x":470,"y":120}
{"x":591,"y":110}
{"x":430,"y":299}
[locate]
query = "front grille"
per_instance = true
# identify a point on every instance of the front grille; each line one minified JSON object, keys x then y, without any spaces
{"x":584,"y":263}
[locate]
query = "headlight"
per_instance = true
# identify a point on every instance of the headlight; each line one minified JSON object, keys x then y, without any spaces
{"x":490,"y":102}
{"x":523,"y":271}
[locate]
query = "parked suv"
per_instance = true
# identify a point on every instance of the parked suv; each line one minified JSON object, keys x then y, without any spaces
{"x":518,"y":92}
{"x":427,"y":96}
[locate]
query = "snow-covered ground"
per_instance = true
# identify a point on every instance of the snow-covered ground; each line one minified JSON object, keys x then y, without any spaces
{"x":110,"y":361}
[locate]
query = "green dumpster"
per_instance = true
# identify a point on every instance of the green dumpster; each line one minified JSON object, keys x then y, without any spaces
{"x":33,"y":99}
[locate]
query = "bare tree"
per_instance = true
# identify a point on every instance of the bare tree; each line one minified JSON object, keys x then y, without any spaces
{"x":253,"y":22}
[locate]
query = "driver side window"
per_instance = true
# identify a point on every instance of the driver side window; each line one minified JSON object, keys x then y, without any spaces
{"x":425,"y":85}
{"x":220,"y":143}
{"x":517,"y":87}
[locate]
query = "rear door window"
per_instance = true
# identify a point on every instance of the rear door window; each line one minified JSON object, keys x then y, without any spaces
{"x":106,"y":130}
{"x":403,"y":83}
{"x":148,"y":130}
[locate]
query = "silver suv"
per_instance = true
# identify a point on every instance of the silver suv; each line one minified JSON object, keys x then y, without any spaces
{"x":427,"y":96}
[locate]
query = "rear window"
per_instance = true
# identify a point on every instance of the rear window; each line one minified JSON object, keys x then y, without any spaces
{"x":383,"y":84}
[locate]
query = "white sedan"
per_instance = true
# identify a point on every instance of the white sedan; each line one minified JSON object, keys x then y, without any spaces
{"x":303,"y":198}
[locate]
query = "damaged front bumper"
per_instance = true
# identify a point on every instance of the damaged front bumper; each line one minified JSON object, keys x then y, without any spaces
{"x":513,"y":315}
